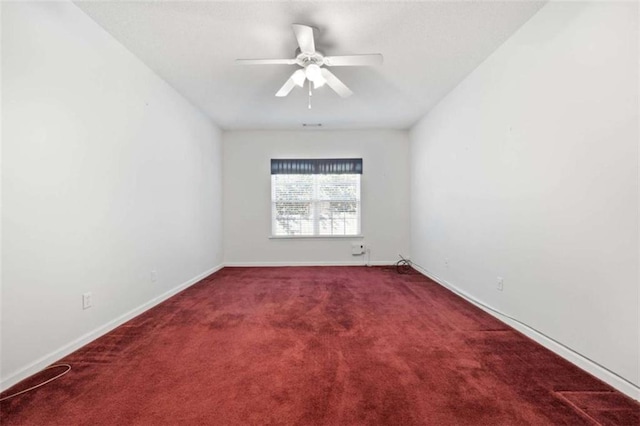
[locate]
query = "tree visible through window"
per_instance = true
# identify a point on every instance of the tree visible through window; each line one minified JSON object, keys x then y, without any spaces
{"x":320,"y":204}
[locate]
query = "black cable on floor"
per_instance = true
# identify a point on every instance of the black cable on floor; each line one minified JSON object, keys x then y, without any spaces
{"x":403,"y":266}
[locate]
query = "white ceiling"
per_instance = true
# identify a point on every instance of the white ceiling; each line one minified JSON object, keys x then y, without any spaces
{"x":428,"y":48}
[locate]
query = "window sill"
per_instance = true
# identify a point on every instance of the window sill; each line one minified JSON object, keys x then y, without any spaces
{"x":313,"y":237}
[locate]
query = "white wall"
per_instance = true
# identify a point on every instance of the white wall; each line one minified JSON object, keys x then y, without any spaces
{"x":247,"y":195}
{"x":529,"y":170}
{"x":108,"y":174}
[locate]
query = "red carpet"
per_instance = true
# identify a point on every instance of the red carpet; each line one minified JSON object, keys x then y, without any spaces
{"x":324,"y":345}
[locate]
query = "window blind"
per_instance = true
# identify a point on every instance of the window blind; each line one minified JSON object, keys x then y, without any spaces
{"x":316,"y":166}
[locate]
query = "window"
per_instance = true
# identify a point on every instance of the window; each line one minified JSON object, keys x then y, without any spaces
{"x":315,"y":197}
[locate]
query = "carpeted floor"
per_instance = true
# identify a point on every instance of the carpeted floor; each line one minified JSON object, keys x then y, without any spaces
{"x":318,"y":345}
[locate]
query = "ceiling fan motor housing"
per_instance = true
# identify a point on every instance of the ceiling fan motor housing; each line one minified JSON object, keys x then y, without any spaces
{"x":305,"y":59}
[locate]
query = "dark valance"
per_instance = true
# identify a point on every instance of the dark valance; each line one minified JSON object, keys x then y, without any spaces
{"x":327,"y":166}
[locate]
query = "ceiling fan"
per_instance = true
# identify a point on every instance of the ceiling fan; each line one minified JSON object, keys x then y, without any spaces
{"x":313,"y":65}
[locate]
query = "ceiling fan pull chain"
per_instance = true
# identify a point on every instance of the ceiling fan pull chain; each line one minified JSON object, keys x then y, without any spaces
{"x":309,"y":94}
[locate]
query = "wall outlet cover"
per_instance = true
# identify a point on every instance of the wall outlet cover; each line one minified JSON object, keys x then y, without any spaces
{"x":87,"y":300}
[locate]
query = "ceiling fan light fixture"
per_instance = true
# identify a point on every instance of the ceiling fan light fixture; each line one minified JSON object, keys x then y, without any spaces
{"x":298,"y":78}
{"x":319,"y":82}
{"x":312,"y":72}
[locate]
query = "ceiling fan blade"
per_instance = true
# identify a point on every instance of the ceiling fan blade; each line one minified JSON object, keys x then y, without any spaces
{"x":265,"y":61}
{"x":286,"y":88}
{"x":296,"y":79}
{"x":304,"y":35}
{"x":333,"y":82}
{"x":353,"y":60}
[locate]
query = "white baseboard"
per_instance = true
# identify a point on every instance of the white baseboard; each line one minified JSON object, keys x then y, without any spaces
{"x":310,"y":263}
{"x":565,"y":352}
{"x":54,"y":356}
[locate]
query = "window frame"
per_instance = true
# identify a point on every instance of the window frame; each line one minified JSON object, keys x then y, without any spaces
{"x":315,"y":201}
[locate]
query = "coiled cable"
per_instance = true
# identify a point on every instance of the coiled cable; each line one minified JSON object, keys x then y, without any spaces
{"x":41,"y":384}
{"x":403,"y":266}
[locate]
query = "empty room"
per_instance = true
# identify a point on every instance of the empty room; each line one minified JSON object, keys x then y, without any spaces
{"x":320,"y":213}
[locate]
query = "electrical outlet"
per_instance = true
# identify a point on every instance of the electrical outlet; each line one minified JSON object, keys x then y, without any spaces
{"x":500,"y":285}
{"x":154,"y":276}
{"x":87,"y":300}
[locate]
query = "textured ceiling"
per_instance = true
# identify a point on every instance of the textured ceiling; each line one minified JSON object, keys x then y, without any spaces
{"x":428,"y":48}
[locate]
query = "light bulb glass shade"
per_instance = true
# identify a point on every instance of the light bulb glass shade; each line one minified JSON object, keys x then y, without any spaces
{"x":319,"y":82}
{"x":312,"y":71}
{"x":298,"y":77}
